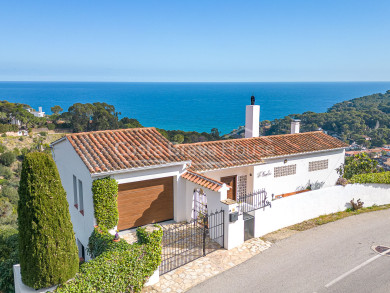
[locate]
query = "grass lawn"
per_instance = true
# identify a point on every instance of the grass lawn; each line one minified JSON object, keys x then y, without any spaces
{"x":321,"y":220}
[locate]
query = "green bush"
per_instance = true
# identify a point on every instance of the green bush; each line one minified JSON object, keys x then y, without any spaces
{"x":6,"y":172}
{"x":105,"y":193}
{"x":101,"y":241}
{"x":119,"y":268}
{"x":358,"y":164}
{"x":381,"y":178}
{"x":8,"y":257}
{"x":7,"y":158}
{"x":47,"y":246}
{"x":11,"y":193}
{"x":7,"y":127}
{"x":51,"y":126}
{"x":42,"y":133}
{"x":3,"y":148}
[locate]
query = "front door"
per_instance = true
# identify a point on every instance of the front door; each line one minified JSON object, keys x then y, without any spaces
{"x":231,"y":181}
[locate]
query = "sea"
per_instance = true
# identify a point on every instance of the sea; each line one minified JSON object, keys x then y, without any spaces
{"x":191,"y":106}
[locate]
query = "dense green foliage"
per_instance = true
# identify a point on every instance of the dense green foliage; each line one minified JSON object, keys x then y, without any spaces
{"x":7,"y":158}
{"x":8,"y":257}
{"x":47,"y":246}
{"x":179,"y":136}
{"x":119,"y":267}
{"x":8,"y":127}
{"x":56,"y":109}
{"x":351,"y":120}
{"x":19,"y":112}
{"x":358,"y":164}
{"x":105,"y":193}
{"x":381,"y":178}
{"x":101,"y":241}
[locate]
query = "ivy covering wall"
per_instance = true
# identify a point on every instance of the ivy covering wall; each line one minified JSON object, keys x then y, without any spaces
{"x":380,"y":178}
{"x":118,"y":266}
{"x":105,"y":194}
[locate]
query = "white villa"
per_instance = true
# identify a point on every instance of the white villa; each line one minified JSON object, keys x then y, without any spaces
{"x":38,"y":113}
{"x":157,"y":180}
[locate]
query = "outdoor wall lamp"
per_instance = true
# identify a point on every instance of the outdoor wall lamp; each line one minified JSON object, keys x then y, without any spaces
{"x":285,"y":161}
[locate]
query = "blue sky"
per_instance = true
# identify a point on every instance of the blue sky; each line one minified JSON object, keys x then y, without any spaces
{"x":195,"y":40}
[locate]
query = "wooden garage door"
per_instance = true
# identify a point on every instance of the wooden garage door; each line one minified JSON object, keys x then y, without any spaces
{"x":145,"y":202}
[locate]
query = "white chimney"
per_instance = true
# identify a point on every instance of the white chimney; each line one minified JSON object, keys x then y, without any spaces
{"x":252,"y":118}
{"x":295,"y":125}
{"x":40,"y":109}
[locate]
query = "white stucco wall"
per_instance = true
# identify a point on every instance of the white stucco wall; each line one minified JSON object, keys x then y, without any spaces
{"x":302,"y":178}
{"x":69,"y":164}
{"x":239,"y":171}
{"x":174,"y":171}
{"x":301,"y":207}
{"x":213,"y":199}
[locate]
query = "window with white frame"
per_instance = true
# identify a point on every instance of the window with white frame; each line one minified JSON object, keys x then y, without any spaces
{"x":81,"y":198}
{"x":75,"y":200}
{"x":285,"y":170}
{"x":241,"y":185}
{"x":318,"y":165}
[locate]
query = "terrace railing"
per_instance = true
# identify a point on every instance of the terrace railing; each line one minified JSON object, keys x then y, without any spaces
{"x":253,"y":201}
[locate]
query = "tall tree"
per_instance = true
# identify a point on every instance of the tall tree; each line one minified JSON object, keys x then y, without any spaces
{"x":56,"y":109}
{"x":47,"y":246}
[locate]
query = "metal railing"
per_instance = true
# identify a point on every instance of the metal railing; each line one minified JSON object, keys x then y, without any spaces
{"x":186,"y":242}
{"x":253,"y":201}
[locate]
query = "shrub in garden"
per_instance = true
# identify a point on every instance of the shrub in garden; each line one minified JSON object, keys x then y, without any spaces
{"x":47,"y":247}
{"x":342,"y":181}
{"x":101,"y":241}
{"x":380,"y":178}
{"x":105,"y":193}
{"x":7,"y":158}
{"x":119,"y":266}
{"x":358,"y":164}
{"x":8,"y":257}
{"x":356,"y":205}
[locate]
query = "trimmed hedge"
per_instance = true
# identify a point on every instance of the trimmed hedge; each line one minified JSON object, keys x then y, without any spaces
{"x":8,"y":257}
{"x":380,"y":178}
{"x":105,"y":193}
{"x":119,"y":267}
{"x":47,"y":246}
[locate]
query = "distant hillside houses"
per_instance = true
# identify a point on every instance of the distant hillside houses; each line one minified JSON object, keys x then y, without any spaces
{"x":38,"y":113}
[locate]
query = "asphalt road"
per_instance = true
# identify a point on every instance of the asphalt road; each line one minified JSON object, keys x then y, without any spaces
{"x":336,"y":257}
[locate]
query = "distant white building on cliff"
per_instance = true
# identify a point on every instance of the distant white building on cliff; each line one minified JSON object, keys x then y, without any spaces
{"x":38,"y":113}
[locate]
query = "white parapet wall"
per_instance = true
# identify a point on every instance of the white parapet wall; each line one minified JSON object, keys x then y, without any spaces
{"x":21,"y":288}
{"x":301,"y":207}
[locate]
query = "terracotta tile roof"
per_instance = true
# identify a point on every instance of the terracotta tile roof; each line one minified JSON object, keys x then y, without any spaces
{"x":204,"y":181}
{"x":246,"y":151}
{"x":112,"y":150}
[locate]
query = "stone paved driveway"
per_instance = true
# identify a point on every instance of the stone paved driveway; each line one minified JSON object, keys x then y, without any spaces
{"x":193,"y":273}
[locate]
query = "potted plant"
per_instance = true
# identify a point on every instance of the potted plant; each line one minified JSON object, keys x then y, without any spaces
{"x":116,"y":237}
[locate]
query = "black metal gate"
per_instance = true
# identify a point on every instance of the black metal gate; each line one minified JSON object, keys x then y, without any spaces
{"x":185,"y":242}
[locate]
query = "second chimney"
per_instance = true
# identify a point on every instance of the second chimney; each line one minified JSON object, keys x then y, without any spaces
{"x":295,"y":126}
{"x":252,"y":118}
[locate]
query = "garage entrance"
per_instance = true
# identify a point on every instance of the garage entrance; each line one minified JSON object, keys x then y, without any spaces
{"x":145,"y":202}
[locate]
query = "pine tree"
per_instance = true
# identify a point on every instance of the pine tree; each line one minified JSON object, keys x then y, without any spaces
{"x":47,"y":247}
